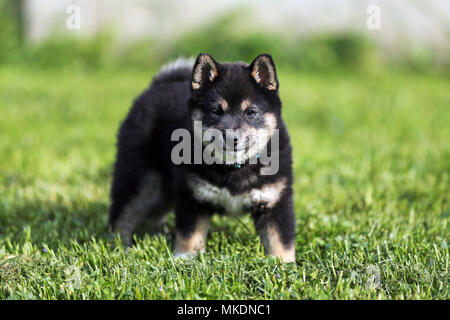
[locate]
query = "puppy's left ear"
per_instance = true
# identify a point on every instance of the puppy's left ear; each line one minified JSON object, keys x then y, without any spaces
{"x":206,"y":70}
{"x":262,"y":70}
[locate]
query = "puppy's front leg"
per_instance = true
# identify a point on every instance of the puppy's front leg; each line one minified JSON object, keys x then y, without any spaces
{"x":191,"y":232}
{"x":276,"y":227}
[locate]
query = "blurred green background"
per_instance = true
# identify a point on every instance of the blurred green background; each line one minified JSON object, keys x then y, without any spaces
{"x":370,"y":134}
{"x":227,"y":37}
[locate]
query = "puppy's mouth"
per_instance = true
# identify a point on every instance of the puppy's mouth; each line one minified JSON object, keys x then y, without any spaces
{"x":238,"y":154}
{"x":237,"y":149}
{"x":235,"y":152}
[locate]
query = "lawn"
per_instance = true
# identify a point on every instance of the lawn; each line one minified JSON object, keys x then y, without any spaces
{"x":371,"y":161}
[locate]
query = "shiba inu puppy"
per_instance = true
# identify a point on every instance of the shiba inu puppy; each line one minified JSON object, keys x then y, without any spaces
{"x":241,"y":170}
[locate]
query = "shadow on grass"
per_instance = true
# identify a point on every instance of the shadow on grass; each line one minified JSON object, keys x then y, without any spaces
{"x":52,"y":222}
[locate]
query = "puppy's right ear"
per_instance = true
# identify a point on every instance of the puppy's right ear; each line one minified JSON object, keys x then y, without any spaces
{"x":205,"y":71}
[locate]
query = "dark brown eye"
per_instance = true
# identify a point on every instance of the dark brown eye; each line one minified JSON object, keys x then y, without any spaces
{"x":250,"y":112}
{"x":218,"y":111}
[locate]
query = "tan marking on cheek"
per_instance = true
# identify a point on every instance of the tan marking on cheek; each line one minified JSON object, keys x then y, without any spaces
{"x":195,"y":242}
{"x":223,"y":104}
{"x":260,"y":137}
{"x":273,"y":245}
{"x":245,"y":104}
{"x":270,"y":122}
{"x":272,"y":86}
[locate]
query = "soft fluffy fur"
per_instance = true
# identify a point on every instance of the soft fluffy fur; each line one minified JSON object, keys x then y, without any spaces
{"x":147,"y":184}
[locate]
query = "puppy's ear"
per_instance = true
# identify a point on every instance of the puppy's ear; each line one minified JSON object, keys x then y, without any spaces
{"x":262,"y":70}
{"x":205,"y":71}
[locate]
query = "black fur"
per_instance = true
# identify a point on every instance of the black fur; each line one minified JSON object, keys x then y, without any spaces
{"x":144,"y":145}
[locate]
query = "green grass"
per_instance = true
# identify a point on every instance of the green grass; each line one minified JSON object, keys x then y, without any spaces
{"x":372,"y":164}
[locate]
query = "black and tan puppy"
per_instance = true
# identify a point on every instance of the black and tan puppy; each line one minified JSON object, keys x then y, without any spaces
{"x":153,"y":174}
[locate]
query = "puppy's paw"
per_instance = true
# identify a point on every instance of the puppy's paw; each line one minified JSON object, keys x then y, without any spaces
{"x":184,"y":255}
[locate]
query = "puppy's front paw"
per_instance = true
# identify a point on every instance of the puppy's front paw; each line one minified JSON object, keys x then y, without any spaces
{"x":184,"y":255}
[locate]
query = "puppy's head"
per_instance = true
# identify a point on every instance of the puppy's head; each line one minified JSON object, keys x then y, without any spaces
{"x":237,"y":100}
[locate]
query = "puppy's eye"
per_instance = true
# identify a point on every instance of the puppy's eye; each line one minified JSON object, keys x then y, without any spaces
{"x":218,"y":111}
{"x":250,"y":112}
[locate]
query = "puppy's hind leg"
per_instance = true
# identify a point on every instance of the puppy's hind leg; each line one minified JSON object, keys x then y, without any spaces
{"x":149,"y":201}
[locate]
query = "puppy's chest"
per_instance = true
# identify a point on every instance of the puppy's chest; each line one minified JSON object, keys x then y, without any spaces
{"x":237,"y":203}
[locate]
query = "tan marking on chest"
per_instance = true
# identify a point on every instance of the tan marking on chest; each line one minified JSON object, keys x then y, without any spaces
{"x":268,"y":195}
